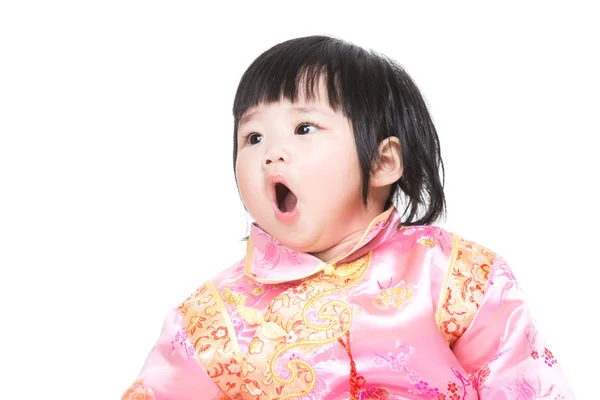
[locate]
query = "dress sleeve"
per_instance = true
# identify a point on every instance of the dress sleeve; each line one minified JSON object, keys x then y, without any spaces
{"x":171,"y":370}
{"x":501,"y":348}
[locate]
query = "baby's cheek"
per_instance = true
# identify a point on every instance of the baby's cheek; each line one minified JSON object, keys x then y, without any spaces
{"x":249,"y":190}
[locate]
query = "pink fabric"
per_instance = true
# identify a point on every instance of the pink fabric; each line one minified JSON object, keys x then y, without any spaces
{"x":394,"y":339}
{"x":171,"y":372}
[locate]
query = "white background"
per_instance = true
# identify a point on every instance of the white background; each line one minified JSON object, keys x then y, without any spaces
{"x":117,"y":196}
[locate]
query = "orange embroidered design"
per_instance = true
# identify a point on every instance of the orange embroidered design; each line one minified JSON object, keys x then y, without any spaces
{"x":426,"y":241}
{"x":238,"y":300}
{"x":256,"y":346}
{"x":250,"y":315}
{"x":137,"y":391}
{"x":212,"y":334}
{"x":305,"y":319}
{"x":309,"y":326}
{"x":465,"y":284}
{"x":233,"y":298}
{"x":396,"y":296}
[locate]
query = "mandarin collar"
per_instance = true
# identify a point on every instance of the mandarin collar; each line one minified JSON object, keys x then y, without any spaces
{"x":268,"y":261}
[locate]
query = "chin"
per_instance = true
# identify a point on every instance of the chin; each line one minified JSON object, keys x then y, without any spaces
{"x":297,"y":243}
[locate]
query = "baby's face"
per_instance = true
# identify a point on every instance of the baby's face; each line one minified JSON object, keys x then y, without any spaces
{"x":298,"y":173}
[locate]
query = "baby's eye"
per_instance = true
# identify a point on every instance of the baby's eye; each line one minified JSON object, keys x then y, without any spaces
{"x":305,"y":128}
{"x":254,"y":138}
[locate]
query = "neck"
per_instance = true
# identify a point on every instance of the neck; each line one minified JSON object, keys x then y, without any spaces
{"x":355,"y":233}
{"x":341,"y":247}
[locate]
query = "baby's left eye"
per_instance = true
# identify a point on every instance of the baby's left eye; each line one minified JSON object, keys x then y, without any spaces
{"x":304,"y":129}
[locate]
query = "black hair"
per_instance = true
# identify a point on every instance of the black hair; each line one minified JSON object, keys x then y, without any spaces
{"x":378,"y":97}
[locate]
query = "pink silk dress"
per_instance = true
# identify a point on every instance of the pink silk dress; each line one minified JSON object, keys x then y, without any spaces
{"x":407,"y":313}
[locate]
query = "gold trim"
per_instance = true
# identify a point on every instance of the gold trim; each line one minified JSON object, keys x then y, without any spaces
{"x":249,"y":257}
{"x":212,"y":289}
{"x":455,"y":245}
{"x":295,"y":278}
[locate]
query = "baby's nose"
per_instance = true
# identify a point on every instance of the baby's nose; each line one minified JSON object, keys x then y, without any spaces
{"x":276,"y":154}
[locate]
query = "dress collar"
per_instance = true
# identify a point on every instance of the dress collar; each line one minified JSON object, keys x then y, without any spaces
{"x":268,"y":261}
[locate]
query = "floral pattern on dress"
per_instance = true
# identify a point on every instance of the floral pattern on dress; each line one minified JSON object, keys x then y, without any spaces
{"x":523,"y":389}
{"x":306,"y":320}
{"x":428,"y":236}
{"x":466,"y":283}
{"x":302,"y":321}
{"x":399,"y":361}
{"x":501,"y":269}
{"x":396,"y":296}
{"x":311,"y":330}
{"x":479,"y":376}
{"x":545,"y":356}
{"x":182,"y":341}
{"x":137,"y":391}
{"x":211,"y":332}
{"x":374,"y":393}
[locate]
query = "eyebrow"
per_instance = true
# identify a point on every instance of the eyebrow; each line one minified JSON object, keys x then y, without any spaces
{"x":303,"y":110}
{"x":247,"y":117}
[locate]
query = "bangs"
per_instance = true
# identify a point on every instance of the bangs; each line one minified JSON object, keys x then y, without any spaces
{"x":291,"y":71}
{"x":303,"y":82}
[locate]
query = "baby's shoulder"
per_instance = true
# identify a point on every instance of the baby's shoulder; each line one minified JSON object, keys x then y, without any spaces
{"x":208,"y":290}
{"x":460,"y":276}
{"x":453,"y":245}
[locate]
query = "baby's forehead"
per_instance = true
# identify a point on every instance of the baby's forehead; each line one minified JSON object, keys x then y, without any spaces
{"x":310,"y":95}
{"x":302,"y":105}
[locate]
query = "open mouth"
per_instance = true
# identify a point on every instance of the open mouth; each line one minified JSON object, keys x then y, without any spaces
{"x":286,"y":200}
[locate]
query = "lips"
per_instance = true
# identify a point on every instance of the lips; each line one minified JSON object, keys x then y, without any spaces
{"x":285,"y":202}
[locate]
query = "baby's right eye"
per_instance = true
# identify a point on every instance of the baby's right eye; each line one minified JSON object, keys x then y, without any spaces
{"x":254,"y":138}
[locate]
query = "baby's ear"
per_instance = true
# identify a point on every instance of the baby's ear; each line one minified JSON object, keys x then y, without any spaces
{"x":389,"y":168}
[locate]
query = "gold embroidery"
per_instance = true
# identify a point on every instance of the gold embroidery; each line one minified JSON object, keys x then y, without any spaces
{"x":329,"y":269}
{"x":338,"y":317}
{"x":137,"y":391}
{"x":211,"y":332}
{"x":233,"y":298}
{"x":258,"y":291}
{"x":272,"y":331}
{"x":345,"y":270}
{"x":286,"y":325}
{"x":255,"y":346}
{"x":395,"y":296}
{"x":426,"y":241}
{"x":249,"y":260}
{"x":250,"y":315}
{"x":463,"y":289}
